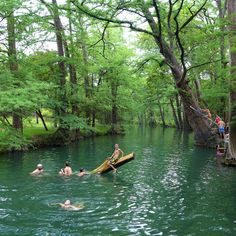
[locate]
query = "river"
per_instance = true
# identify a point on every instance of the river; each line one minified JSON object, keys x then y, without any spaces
{"x":171,"y":188}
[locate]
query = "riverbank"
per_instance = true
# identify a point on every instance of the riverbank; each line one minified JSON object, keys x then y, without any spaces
{"x":37,"y":137}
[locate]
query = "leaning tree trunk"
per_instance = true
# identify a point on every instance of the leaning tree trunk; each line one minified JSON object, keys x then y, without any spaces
{"x":13,"y":64}
{"x":200,"y":125}
{"x":232,"y":101}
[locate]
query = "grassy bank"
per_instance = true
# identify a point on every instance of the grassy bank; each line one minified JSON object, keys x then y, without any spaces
{"x":35,"y":136}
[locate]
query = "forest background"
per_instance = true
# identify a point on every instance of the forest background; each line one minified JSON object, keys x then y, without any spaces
{"x":74,"y":68}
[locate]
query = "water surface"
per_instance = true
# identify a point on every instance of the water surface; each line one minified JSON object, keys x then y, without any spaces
{"x":171,"y":188}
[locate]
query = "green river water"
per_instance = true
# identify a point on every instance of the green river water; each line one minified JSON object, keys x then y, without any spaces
{"x":171,"y":188}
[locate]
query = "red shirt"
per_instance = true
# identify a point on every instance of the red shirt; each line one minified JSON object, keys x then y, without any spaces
{"x":217,"y":120}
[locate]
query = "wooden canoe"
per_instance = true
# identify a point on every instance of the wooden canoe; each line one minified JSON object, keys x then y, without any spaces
{"x":104,"y":167}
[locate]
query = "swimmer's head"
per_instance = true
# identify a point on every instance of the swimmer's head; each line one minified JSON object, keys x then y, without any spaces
{"x":67,"y":202}
{"x":81,"y":169}
{"x":67,"y":163}
{"x":116,"y":146}
{"x":39,"y":166}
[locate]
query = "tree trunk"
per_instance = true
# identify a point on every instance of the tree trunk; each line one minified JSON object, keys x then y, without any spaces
{"x":232,"y":101}
{"x":161,"y":113}
{"x":174,"y":114}
{"x":222,"y":8}
{"x":114,"y":111}
{"x":61,"y":54}
{"x":185,"y":125}
{"x":178,"y":104}
{"x":13,"y":64}
{"x":152,"y":121}
{"x":87,"y":87}
{"x":198,"y":89}
{"x":199,"y":124}
{"x":72,"y":72}
{"x":40,"y":115}
{"x":93,"y":118}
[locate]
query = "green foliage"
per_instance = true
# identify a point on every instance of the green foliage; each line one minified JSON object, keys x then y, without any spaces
{"x":11,"y":140}
{"x":72,"y":122}
{"x":113,"y":72}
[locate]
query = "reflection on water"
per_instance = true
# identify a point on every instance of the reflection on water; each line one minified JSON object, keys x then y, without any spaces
{"x":171,"y":188}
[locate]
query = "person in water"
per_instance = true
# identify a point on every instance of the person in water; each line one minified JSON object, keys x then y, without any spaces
{"x":81,"y":172}
{"x":67,"y":205}
{"x":67,"y":170}
{"x":114,"y":157}
{"x":38,"y":170}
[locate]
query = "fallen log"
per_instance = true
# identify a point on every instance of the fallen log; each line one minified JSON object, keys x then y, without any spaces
{"x":104,"y":167}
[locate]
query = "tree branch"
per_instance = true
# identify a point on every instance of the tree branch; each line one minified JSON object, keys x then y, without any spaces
{"x":102,"y":39}
{"x":169,"y":24}
{"x":115,"y":21}
{"x":159,"y":23}
{"x":202,"y":64}
{"x":192,"y":16}
{"x":182,"y":52}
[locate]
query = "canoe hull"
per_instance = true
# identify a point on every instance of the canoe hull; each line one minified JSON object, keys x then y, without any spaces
{"x":104,"y":167}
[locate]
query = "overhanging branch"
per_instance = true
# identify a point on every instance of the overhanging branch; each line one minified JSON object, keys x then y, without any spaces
{"x":129,"y":24}
{"x":192,"y":16}
{"x":202,"y":64}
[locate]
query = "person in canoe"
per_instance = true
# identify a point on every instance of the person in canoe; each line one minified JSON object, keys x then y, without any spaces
{"x":114,"y":157}
{"x":67,"y":170}
{"x":38,"y":170}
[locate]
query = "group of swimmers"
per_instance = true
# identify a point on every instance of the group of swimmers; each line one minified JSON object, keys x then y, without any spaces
{"x":67,"y":171}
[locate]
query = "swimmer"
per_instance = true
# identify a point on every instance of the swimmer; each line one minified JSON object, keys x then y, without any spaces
{"x":38,"y":170}
{"x":67,"y":205}
{"x":67,"y":170}
{"x":81,"y":172}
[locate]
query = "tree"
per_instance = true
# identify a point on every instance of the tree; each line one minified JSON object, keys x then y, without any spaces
{"x":13,"y":64}
{"x":232,"y":102}
{"x":166,"y":27}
